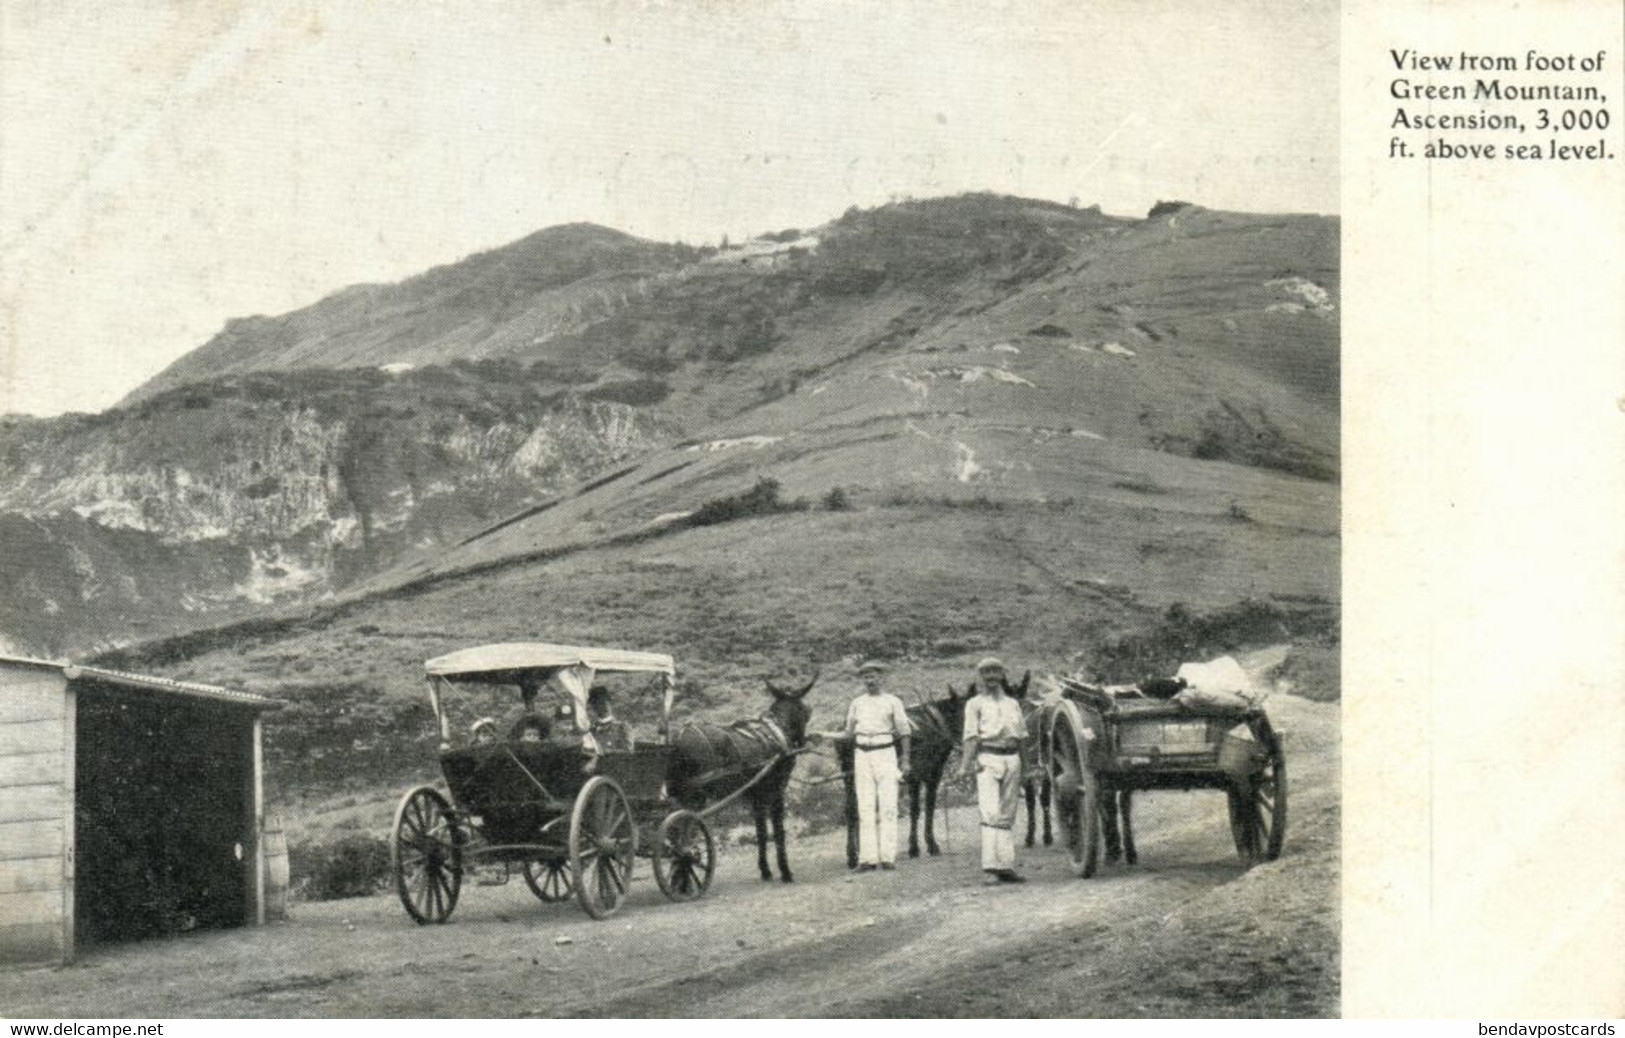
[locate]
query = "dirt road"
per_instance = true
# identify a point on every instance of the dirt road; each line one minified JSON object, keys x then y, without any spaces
{"x":1188,"y":931}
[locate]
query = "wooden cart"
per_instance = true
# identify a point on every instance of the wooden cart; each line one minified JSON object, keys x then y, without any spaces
{"x":1101,"y":747}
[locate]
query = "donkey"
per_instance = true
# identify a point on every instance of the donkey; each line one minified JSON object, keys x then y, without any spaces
{"x":937,"y":727}
{"x":711,"y":762}
{"x":1114,"y":804}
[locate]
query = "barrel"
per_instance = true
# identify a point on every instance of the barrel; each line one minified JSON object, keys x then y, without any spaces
{"x":276,"y":868}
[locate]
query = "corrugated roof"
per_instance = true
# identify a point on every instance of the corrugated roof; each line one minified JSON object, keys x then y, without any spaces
{"x":170,"y":686}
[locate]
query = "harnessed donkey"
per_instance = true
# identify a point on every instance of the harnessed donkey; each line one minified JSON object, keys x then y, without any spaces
{"x":711,"y":762}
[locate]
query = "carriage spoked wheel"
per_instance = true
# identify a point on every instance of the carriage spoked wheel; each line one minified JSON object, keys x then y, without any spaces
{"x":550,"y":879}
{"x":426,"y":855}
{"x":603,"y":840}
{"x":1258,"y":807}
{"x":685,"y":856}
{"x":1077,"y":795}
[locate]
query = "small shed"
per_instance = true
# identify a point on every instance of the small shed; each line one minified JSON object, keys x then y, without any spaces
{"x":130,"y":806}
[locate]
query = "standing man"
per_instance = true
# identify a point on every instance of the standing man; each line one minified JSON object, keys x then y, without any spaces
{"x":877,"y":724}
{"x":995,"y":744}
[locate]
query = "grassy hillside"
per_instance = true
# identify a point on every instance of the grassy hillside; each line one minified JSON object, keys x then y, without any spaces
{"x":1113,"y":587}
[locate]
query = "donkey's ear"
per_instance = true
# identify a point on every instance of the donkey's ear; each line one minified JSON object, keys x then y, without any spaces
{"x":1026,"y":679}
{"x":773,"y":690}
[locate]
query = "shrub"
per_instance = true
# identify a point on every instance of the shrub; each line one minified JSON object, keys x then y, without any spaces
{"x":637,"y":392}
{"x":761,"y":499}
{"x":351,"y":865}
{"x":1181,"y":635}
{"x":836,"y":500}
{"x":1051,"y":331}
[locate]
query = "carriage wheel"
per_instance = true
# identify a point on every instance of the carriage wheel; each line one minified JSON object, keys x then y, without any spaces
{"x":685,"y":856}
{"x":1258,"y":809}
{"x":550,"y":879}
{"x":427,"y":856}
{"x":602,"y":841}
{"x":1077,"y":793}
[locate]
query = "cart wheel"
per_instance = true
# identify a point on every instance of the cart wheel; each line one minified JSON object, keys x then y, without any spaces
{"x":1258,"y":809}
{"x":427,"y":856}
{"x":1077,"y":795}
{"x":685,"y":856}
{"x":602,"y":842}
{"x":550,"y":879}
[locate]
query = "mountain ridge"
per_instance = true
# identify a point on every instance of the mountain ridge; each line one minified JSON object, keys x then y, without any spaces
{"x":947,"y":350}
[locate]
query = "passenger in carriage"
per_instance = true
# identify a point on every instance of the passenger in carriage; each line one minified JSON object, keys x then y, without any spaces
{"x":532,"y":728}
{"x":531,"y":725}
{"x":608,"y":731}
{"x":484,"y":731}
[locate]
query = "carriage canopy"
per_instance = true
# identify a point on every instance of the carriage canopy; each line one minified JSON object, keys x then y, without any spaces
{"x":567,"y":667}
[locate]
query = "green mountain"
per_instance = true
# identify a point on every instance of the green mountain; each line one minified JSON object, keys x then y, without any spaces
{"x":1041,"y":422}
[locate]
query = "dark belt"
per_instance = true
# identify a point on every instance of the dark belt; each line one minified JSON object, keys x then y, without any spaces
{"x":879,"y":746}
{"x":1000,"y":750}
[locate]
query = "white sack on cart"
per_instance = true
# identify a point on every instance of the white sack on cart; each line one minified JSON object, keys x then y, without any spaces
{"x":1218,"y":683}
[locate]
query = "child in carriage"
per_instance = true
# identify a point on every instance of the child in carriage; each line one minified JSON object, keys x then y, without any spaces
{"x":531,"y":728}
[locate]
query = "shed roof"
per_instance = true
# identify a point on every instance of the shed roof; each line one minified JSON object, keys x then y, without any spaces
{"x":149,"y":683}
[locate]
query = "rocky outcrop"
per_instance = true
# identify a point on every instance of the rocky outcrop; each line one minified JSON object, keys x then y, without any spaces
{"x":221,"y":499}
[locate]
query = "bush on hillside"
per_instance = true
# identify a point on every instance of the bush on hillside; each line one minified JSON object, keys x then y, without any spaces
{"x":1180,"y":636}
{"x":636,"y":392}
{"x":1050,"y":331}
{"x":836,"y":501}
{"x":1166,"y":209}
{"x":761,"y":499}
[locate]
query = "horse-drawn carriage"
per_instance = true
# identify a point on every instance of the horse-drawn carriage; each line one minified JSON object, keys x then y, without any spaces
{"x":1101,"y":745}
{"x":566,"y":808}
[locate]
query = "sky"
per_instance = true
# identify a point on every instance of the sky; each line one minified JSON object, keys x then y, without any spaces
{"x":165,"y":167}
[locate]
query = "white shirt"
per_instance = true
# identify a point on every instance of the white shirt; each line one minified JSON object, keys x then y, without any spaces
{"x":995,"y":720}
{"x":878,"y":718}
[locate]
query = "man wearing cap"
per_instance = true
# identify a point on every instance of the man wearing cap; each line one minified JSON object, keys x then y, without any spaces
{"x":878,"y":726}
{"x":995,"y":743}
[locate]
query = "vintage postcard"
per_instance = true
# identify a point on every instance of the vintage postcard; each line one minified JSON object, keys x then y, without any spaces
{"x":808,"y":509}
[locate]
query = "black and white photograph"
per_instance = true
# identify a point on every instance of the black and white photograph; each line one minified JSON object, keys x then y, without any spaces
{"x":788,"y":509}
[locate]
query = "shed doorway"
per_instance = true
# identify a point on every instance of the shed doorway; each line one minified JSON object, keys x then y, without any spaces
{"x":164,"y":814}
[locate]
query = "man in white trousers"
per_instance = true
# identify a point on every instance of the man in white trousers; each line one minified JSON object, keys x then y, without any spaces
{"x":995,"y":745}
{"x":878,"y":726}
